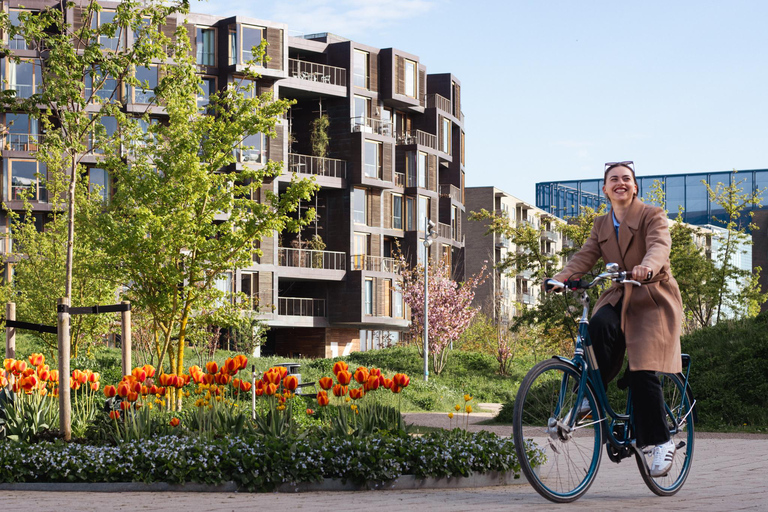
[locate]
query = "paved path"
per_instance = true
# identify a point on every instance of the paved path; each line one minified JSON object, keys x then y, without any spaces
{"x":729,"y":473}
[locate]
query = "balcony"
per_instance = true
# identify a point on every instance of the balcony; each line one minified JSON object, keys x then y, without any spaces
{"x":312,"y":72}
{"x":315,"y":165}
{"x":399,"y":179}
{"x":374,"y":264}
{"x":444,"y":230}
{"x":22,"y":141}
{"x":502,"y":241}
{"x":296,"y":306}
{"x":439,"y":102}
{"x":552,"y":236}
{"x":418,"y":137}
{"x":311,"y":259}
{"x":451,"y":191}
{"x":370,"y":125}
{"x":525,"y":298}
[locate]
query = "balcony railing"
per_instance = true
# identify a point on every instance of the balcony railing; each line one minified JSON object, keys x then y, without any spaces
{"x":439,"y":102}
{"x":308,"y":258}
{"x":22,"y":141}
{"x":305,"y":164}
{"x":399,"y":179}
{"x":374,"y":263}
{"x":451,"y":191}
{"x":549,"y":235}
{"x":370,"y":125}
{"x":296,"y":306}
{"x":418,"y":137}
{"x":525,"y":298}
{"x":313,"y":72}
{"x":444,"y":230}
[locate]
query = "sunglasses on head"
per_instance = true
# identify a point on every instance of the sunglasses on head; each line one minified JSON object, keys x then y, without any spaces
{"x":629,"y":164}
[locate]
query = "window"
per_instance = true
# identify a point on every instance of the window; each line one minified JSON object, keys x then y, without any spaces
{"x":455,"y":219}
{"x":102,"y":18}
{"x":361,"y":77}
{"x":387,"y":297}
{"x":25,"y":176}
{"x":101,"y":134}
{"x":397,"y":211}
{"x":423,"y":213}
{"x":372,"y":164}
{"x":148,"y":77}
{"x":397,"y":303}
{"x":359,"y":200}
{"x":208,"y":87}
{"x":251,"y":38}
{"x":206,"y":46}
{"x":445,"y":143}
{"x":386,"y":122}
{"x":99,"y":183}
{"x":422,"y":169}
{"x":360,"y":243}
{"x":421,"y":251}
{"x":246,"y":86}
{"x":410,"y":169}
{"x":411,"y":87}
{"x":24,"y":77}
{"x":101,"y":86}
{"x":252,"y":149}
{"x":22,"y":132}
{"x":18,"y":42}
{"x":362,"y":109}
{"x":410,"y":213}
{"x":369,"y":293}
{"x":223,"y":283}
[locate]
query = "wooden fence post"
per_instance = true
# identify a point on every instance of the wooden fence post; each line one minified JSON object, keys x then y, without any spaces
{"x":65,"y":409}
{"x":126,"y":337}
{"x":10,"y":332}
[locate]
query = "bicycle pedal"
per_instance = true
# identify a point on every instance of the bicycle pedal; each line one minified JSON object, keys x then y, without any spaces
{"x":680,"y":445}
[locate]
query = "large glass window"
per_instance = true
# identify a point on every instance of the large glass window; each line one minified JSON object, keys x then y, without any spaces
{"x":23,"y":77}
{"x":422,"y":170}
{"x":22,"y":132}
{"x":696,"y":200}
{"x":445,"y":145}
{"x":18,"y":42}
{"x":362,"y":109}
{"x":102,"y":18}
{"x":252,"y":37}
{"x":387,"y":297}
{"x":100,"y":135}
{"x":675,"y":193}
{"x":98,"y":85}
{"x":148,"y":77}
{"x":397,"y":303}
{"x":252,"y":149}
{"x":359,"y":200}
{"x":359,"y":250}
{"x":208,"y":87}
{"x":369,"y":296}
{"x":98,"y":182}
{"x":372,"y":159}
{"x":206,"y":46}
{"x":410,"y":169}
{"x":397,"y":211}
{"x":410,"y":213}
{"x":361,"y":77}
{"x":25,"y":179}
{"x":423,"y":213}
{"x":411,"y":87}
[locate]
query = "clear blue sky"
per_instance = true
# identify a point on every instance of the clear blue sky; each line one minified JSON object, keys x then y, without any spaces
{"x":553,"y":89}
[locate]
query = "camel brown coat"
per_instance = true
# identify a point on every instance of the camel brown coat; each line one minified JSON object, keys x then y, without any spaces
{"x":651,"y":314}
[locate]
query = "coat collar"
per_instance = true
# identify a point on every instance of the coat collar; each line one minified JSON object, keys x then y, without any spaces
{"x":616,"y":250}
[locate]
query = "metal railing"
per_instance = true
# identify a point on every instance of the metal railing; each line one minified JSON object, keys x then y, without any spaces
{"x":439,"y":102}
{"x":313,"y":72}
{"x":444,"y":230}
{"x":308,"y":258}
{"x":297,"y":306}
{"x":418,"y":137}
{"x":525,"y":298}
{"x":374,"y":263}
{"x":306,"y":164}
{"x":451,"y":191}
{"x":399,"y":179}
{"x":549,"y":235}
{"x":22,"y":141}
{"x":371,"y":125}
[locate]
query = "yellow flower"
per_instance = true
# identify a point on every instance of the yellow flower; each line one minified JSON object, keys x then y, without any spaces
{"x":457,"y":407}
{"x":280,"y":407}
{"x":469,"y":409}
{"x":467,"y":398}
{"x":347,"y":399}
{"x":353,"y":407}
{"x":450,"y":415}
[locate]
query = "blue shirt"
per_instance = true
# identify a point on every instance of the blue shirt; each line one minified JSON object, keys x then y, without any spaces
{"x":616,"y":225}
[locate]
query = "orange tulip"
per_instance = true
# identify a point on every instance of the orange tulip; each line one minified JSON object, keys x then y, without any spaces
{"x":43,"y":368}
{"x":259,"y":391}
{"x":376,"y":372}
{"x":3,"y":380}
{"x":339,"y":390}
{"x":28,"y":372}
{"x":208,"y":378}
{"x":282,"y":371}
{"x":140,"y":373}
{"x":197,"y":375}
{"x":19,"y":366}
{"x":290,"y":383}
{"x":361,"y":375}
{"x":231,"y":366}
{"x":236,"y":383}
{"x":212,"y":367}
{"x":245,"y":386}
{"x":36,"y":359}
{"x":396,"y":389}
{"x":110,"y":391}
{"x":401,"y":380}
{"x":242,"y":361}
{"x":373,"y":382}
{"x":270,"y":389}
{"x":152,"y":389}
{"x":272,"y":376}
{"x":340,"y":366}
{"x":150,"y":370}
{"x":325,"y":382}
{"x":54,"y":376}
{"x":44,"y":375}
{"x":144,"y":390}
{"x":133,"y":396}
{"x":175,"y":422}
{"x":123,"y":388}
{"x":388,"y":383}
{"x":356,"y":393}
{"x":73,"y":384}
{"x":79,"y":376}
{"x":163,"y":379}
{"x":28,"y":383}
{"x":344,"y":377}
{"x":9,"y":364}
{"x":223,"y":378}
{"x":161,"y":391}
{"x":95,"y":386}
{"x":114,"y":415}
{"x":125,"y":405}
{"x":136,"y":387}
{"x":322,"y":398}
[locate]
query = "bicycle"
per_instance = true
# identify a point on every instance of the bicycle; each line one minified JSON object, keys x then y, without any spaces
{"x":561,"y":445}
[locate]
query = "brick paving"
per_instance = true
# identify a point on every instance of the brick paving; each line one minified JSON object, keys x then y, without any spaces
{"x":728,"y":474}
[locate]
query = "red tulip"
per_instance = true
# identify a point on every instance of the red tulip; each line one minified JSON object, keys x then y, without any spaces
{"x":401,"y":380}
{"x":136,"y":387}
{"x":231,"y":366}
{"x":212,"y":367}
{"x":373,"y":382}
{"x":150,"y":370}
{"x":396,"y":389}
{"x":290,"y":383}
{"x":322,"y":398}
{"x":356,"y":393}
{"x":125,"y":405}
{"x":133,"y":396}
{"x":54,"y":376}
{"x":36,"y":359}
{"x":175,"y":422}
{"x":339,"y":390}
{"x":95,"y":386}
{"x":242,"y":361}
{"x":110,"y":391}
{"x":361,"y":375}
{"x":245,"y":386}
{"x":152,"y":389}
{"x":340,"y":366}
{"x":114,"y":415}
{"x":344,"y":377}
{"x":325,"y":382}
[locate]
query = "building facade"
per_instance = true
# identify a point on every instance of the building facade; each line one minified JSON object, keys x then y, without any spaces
{"x":503,"y":296}
{"x":395,"y":160}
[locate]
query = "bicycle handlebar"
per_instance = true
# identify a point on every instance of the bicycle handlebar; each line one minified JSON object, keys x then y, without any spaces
{"x":583,"y":284}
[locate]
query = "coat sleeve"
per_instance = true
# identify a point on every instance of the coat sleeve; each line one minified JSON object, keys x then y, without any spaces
{"x":657,"y":241}
{"x":583,"y":261}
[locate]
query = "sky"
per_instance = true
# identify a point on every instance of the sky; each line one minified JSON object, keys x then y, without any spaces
{"x":551,"y":90}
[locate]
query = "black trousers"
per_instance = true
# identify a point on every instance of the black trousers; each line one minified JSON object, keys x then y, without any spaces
{"x":647,"y":400}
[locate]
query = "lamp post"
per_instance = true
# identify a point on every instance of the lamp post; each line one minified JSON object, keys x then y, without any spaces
{"x":429,"y":236}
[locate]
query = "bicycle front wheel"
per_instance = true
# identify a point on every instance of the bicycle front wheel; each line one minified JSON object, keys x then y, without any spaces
{"x":559,"y":461}
{"x":678,"y":403}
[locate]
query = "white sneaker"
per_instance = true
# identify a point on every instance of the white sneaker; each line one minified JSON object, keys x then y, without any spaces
{"x":663,"y":455}
{"x":582,"y":409}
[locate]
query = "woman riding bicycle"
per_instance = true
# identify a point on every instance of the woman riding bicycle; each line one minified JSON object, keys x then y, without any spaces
{"x":645,"y":321}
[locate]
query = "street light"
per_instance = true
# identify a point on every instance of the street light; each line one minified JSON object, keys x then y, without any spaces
{"x":429,"y":236}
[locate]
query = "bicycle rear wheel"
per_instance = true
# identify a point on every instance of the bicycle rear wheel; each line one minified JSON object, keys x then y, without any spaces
{"x":559,"y":462}
{"x":678,"y":402}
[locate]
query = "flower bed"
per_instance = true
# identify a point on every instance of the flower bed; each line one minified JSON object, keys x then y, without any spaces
{"x":261,"y":463}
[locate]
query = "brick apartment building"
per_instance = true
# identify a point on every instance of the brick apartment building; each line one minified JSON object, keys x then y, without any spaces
{"x":395,"y":158}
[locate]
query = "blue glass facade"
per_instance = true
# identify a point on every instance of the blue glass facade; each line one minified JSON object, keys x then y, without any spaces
{"x":565,"y":198}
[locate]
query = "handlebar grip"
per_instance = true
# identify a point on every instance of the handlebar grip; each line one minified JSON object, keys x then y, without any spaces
{"x":649,"y":276}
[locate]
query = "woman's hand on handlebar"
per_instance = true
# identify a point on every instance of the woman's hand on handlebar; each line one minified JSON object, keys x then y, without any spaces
{"x":550,"y":285}
{"x":642,"y":273}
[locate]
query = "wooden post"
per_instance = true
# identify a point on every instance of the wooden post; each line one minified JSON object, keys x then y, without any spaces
{"x":126,"y":336}
{"x":65,"y":406}
{"x":10,"y":332}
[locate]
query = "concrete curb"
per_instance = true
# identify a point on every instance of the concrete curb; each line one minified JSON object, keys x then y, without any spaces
{"x":405,"y":482}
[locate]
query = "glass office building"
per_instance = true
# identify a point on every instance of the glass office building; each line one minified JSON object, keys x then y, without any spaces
{"x":565,"y":198}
